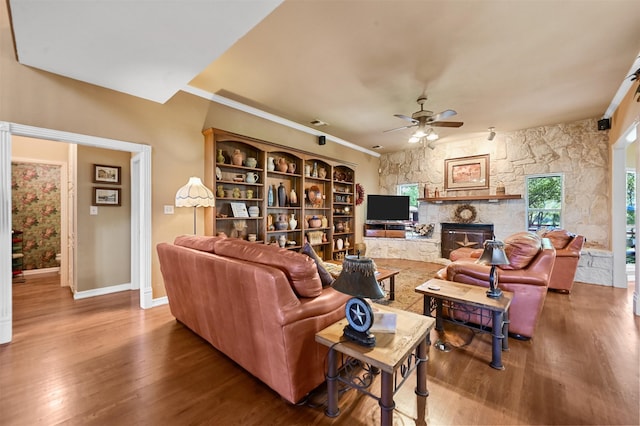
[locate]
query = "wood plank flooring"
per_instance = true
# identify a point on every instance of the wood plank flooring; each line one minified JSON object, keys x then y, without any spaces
{"x":104,"y":361}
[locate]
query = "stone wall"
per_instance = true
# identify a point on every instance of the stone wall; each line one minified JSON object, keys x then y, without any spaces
{"x":577,"y":150}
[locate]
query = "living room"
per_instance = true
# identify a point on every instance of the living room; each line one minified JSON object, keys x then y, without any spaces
{"x":173,"y":131}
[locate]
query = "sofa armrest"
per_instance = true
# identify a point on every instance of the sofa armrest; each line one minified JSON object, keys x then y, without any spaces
{"x":572,"y":249}
{"x":328,"y":301}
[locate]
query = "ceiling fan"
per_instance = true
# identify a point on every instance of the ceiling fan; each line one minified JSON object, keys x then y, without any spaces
{"x":423,"y":119}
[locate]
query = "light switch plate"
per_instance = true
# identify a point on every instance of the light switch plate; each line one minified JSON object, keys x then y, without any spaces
{"x":93,"y":210}
{"x":168,"y":209}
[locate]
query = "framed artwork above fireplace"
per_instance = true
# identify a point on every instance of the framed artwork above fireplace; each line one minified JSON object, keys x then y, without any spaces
{"x":465,"y":173}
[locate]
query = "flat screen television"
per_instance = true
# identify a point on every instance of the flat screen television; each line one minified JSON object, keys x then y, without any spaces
{"x":387,"y":207}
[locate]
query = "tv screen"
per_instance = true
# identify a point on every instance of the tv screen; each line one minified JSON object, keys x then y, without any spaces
{"x":387,"y":207}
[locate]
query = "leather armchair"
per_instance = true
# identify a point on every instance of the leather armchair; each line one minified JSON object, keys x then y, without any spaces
{"x":568,"y":247}
{"x":532,"y":259}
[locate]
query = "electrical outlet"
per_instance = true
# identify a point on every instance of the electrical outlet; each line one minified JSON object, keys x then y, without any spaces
{"x":93,"y":210}
{"x":168,"y":209}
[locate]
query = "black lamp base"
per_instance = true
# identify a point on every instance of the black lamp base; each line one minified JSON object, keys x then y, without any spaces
{"x":494,"y":293}
{"x":365,"y":339}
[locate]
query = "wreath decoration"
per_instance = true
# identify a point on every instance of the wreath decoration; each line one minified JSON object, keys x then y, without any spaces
{"x":359,"y":194}
{"x":465,"y":213}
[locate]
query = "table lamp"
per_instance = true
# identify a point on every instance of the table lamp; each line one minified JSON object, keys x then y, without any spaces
{"x":194,"y":194}
{"x":493,"y":255}
{"x":358,"y":279}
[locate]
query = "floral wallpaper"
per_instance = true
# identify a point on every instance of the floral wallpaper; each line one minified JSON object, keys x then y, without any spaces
{"x":35,"y":190}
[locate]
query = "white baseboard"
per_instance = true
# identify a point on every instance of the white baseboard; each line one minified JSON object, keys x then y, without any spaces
{"x":40,"y":271}
{"x":159,"y":301}
{"x":102,"y":291}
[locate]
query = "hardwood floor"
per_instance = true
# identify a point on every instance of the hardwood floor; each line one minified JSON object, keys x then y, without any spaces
{"x":104,"y":361}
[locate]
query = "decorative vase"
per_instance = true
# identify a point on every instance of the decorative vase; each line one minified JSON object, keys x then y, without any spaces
{"x":307,"y":169}
{"x":271,"y":165}
{"x":324,"y":222}
{"x":293,"y":197}
{"x":220,"y":191}
{"x":315,"y":222}
{"x":282,"y":195}
{"x":339,"y":244}
{"x":237,"y":158}
{"x":339,"y":227}
{"x":314,"y":173}
{"x":236,"y":193}
{"x":251,"y":162}
{"x":220,"y":158}
{"x":322,"y":173}
{"x":282,"y":241}
{"x":292,"y":168}
{"x":270,"y":196}
{"x":293,"y":222}
{"x":254,"y":211}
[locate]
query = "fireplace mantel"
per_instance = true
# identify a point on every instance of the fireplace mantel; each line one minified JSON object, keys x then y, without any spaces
{"x":488,"y":198}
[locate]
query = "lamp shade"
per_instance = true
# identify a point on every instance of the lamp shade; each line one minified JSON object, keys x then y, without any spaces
{"x":194,"y":194}
{"x":358,"y":278}
{"x":493,"y":253}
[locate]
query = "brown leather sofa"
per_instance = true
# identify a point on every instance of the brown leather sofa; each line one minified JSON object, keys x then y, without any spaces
{"x":260,"y":305}
{"x":568,"y":247}
{"x":527,"y":276}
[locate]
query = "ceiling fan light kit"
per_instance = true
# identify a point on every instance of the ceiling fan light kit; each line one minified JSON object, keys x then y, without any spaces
{"x":423,"y":119}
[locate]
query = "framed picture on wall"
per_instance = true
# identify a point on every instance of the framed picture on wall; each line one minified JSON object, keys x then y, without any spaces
{"x":466,"y":173}
{"x":106,"y":196}
{"x":106,"y":174}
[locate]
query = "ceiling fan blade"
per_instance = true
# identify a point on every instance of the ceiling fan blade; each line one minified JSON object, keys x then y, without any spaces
{"x":446,"y":124}
{"x":442,"y":115}
{"x":400,"y":128}
{"x":404,"y":117}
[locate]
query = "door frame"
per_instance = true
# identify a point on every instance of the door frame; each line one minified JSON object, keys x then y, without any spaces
{"x":140,"y":210}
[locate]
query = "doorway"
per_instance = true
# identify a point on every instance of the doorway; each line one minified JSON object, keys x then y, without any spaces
{"x":140,"y":210}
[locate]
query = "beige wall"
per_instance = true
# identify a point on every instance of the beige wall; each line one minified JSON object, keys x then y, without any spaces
{"x":173,"y":130}
{"x":103,"y":240}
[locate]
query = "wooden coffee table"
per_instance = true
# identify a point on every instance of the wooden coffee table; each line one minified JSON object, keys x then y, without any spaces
{"x":407,"y":348}
{"x":450,"y":294}
{"x":390,"y":274}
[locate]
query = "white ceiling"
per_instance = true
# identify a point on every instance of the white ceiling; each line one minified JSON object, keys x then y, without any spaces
{"x":352,"y":64}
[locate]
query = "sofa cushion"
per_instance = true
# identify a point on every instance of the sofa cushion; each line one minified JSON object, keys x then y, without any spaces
{"x":325,"y":276}
{"x":197,"y":242}
{"x":559,"y":238}
{"x":521,"y":248}
{"x":299,"y":268}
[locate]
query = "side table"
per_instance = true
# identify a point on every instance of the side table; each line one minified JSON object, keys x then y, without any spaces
{"x":407,"y":348}
{"x":448,"y":293}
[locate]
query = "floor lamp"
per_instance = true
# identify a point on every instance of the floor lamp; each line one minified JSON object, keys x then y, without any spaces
{"x":194,"y":194}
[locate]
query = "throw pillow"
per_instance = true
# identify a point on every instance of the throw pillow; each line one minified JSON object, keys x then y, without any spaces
{"x":325,"y":276}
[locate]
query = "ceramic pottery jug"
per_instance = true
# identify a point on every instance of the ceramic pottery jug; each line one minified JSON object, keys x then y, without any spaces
{"x":293,"y":197}
{"x":271,"y":165}
{"x":251,"y":177}
{"x":322,"y":173}
{"x":292,"y":167}
{"x":307,"y":169}
{"x":282,"y":165}
{"x":237,"y":158}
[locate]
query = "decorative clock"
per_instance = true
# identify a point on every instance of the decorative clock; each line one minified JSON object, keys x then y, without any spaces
{"x":360,"y":318}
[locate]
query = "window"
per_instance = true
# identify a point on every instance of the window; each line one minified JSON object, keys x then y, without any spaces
{"x":410,"y":189}
{"x":545,"y":194}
